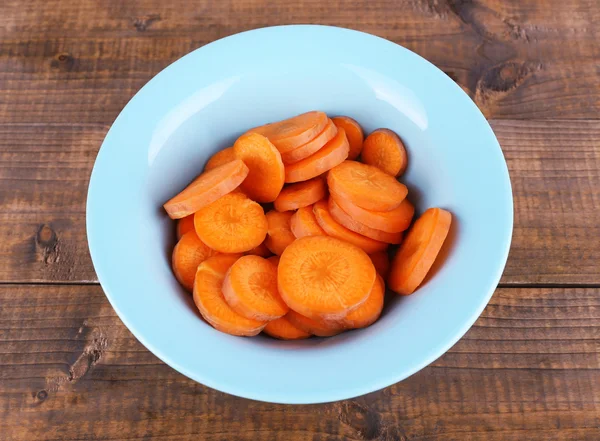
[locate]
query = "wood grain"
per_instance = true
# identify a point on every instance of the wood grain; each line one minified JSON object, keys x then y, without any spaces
{"x":528,"y":370}
{"x":554,"y":166}
{"x":65,"y":61}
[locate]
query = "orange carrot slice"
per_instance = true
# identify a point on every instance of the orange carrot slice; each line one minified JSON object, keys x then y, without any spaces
{"x":207,"y":188}
{"x":250,"y":289}
{"x":274,"y":260}
{"x":221,"y":157}
{"x":320,"y":328}
{"x":385,"y":150}
{"x":283,"y":329}
{"x":392,"y":221}
{"x":232,"y":224}
{"x":381,"y":262}
{"x":304,"y":223}
{"x":332,"y":154}
{"x":367,"y":313}
{"x":419,"y":250}
{"x":279,"y":234}
{"x":333,"y":228}
{"x":301,"y":194}
{"x":260,"y":250}
{"x":366,"y":186}
{"x":354,"y":133}
{"x":312,"y":146}
{"x":184,"y":225}
{"x":347,"y":221}
{"x":291,"y":133}
{"x":266,"y":171}
{"x":209,"y":299}
{"x":189,"y":252}
{"x":324,"y":277}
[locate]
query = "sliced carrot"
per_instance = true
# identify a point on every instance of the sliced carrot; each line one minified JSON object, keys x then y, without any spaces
{"x":347,"y":221}
{"x":367,"y":313}
{"x":283,"y":329}
{"x":260,"y":250}
{"x":366,"y":186}
{"x":332,"y":154}
{"x":209,"y":298}
{"x":291,"y":133}
{"x":392,"y":221}
{"x":354,"y":132}
{"x":207,"y":188}
{"x":385,"y":150}
{"x":312,"y":146}
{"x":381,"y":262}
{"x":274,"y":260}
{"x":279,"y":234}
{"x":304,"y":223}
{"x":333,"y":228}
{"x":324,"y":277}
{"x":419,"y":250}
{"x":184,"y":225}
{"x":232,"y":224}
{"x":301,"y":194}
{"x":320,"y":328}
{"x":250,"y":289}
{"x":266,"y":171}
{"x":189,"y":252}
{"x":221,"y":157}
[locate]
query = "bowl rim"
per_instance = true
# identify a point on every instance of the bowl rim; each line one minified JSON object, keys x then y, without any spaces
{"x":328,"y":396}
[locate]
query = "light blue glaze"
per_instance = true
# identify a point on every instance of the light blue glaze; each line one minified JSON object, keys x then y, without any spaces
{"x":199,"y":105}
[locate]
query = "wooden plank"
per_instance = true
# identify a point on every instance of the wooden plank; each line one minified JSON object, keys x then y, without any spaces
{"x":74,"y":61}
{"x":528,"y":370}
{"x":554,"y":165}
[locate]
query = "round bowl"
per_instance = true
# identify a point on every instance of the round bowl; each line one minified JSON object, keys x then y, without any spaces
{"x":199,"y":105}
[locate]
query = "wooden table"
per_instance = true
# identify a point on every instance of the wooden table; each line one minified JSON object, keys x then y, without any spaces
{"x":528,"y":370}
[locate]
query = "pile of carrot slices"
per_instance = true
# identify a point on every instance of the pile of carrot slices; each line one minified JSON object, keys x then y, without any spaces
{"x":318,"y":260}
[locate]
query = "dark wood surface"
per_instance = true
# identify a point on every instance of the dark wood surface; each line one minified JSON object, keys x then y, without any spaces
{"x":528,"y":370}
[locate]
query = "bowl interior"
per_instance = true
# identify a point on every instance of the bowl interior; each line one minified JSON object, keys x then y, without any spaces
{"x":199,"y":105}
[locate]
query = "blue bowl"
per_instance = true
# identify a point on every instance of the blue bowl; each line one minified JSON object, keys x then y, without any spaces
{"x":199,"y":105}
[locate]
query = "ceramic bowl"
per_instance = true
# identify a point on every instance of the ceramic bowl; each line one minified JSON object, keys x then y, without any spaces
{"x":199,"y":105}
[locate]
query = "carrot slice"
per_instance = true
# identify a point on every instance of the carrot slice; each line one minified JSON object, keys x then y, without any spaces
{"x":333,"y":228}
{"x":332,"y":154}
{"x":304,"y":223}
{"x":385,"y":150}
{"x":320,"y":328}
{"x":221,"y":157}
{"x":354,"y":132}
{"x":266,"y":171}
{"x":312,"y":146}
{"x":207,"y":188}
{"x":274,"y":260}
{"x":324,"y":277}
{"x":232,"y":224}
{"x":260,"y":250}
{"x":381,"y":262}
{"x":209,"y":299}
{"x":301,"y":194}
{"x":189,"y":252}
{"x":367,"y":313}
{"x":279,"y":234}
{"x":250,"y":289}
{"x":366,"y":186}
{"x":392,"y":221}
{"x":283,"y":329}
{"x":184,"y":225}
{"x":419,"y":250}
{"x":347,"y":221}
{"x":291,"y":133}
